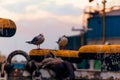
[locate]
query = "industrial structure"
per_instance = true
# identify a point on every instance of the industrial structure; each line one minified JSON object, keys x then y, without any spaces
{"x":95,"y":35}
{"x":110,"y":34}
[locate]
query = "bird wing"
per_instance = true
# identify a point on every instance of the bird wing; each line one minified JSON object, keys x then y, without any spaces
{"x":35,"y":39}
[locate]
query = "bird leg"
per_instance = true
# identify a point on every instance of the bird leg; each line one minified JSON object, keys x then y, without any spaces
{"x":38,"y":46}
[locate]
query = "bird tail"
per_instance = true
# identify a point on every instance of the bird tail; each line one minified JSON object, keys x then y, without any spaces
{"x":57,"y":42}
{"x":28,"y":42}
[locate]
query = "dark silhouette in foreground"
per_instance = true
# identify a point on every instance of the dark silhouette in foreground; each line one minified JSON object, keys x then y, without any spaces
{"x":62,"y":69}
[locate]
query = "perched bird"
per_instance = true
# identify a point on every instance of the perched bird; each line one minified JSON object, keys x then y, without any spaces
{"x":37,"y":40}
{"x":62,"y":42}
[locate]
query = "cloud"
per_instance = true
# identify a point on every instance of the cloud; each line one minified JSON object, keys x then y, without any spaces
{"x":59,"y":7}
{"x":62,"y":10}
{"x":43,"y":25}
{"x":35,"y":6}
{"x":66,"y":10}
{"x":17,"y":7}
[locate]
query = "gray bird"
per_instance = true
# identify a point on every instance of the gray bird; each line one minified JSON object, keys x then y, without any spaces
{"x":37,"y":40}
{"x":62,"y":42}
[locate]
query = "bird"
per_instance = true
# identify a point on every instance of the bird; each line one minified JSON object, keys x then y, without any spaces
{"x":37,"y":40}
{"x":62,"y":42}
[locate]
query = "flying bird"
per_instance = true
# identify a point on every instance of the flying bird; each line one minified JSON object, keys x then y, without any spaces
{"x":37,"y":40}
{"x":62,"y":42}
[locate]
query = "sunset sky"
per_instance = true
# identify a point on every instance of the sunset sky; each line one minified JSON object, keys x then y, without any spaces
{"x":52,"y":18}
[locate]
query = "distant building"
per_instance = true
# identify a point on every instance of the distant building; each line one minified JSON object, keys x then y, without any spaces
{"x":112,"y":28}
{"x":94,"y":36}
{"x":74,"y":42}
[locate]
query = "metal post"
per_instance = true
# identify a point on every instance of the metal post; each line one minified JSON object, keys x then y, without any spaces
{"x":82,"y":37}
{"x":104,"y":23}
{"x":81,"y":34}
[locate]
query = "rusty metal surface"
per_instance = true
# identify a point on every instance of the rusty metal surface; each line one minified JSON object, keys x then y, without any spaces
{"x":97,"y":74}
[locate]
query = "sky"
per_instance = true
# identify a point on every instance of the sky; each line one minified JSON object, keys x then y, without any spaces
{"x":52,"y":18}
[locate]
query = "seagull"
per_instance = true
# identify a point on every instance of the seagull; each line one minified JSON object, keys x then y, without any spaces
{"x":62,"y":42}
{"x":37,"y":40}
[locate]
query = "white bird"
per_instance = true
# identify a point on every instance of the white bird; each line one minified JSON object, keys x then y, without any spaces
{"x":37,"y":40}
{"x":62,"y":42}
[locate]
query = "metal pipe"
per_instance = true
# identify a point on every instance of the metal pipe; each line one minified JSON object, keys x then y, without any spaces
{"x":104,"y":23}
